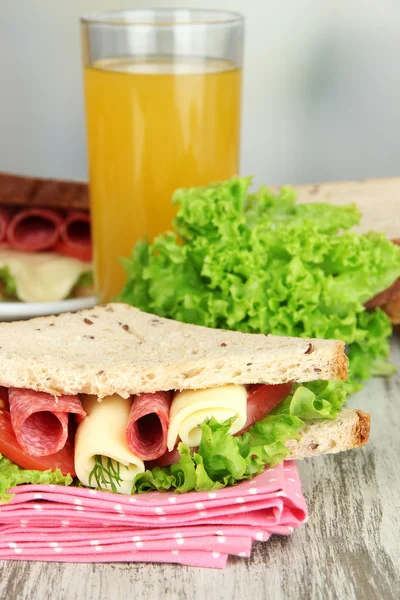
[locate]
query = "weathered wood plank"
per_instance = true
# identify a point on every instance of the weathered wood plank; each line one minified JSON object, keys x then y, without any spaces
{"x":349,"y":549}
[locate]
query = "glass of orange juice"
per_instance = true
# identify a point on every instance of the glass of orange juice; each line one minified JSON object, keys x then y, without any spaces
{"x":163,"y":96}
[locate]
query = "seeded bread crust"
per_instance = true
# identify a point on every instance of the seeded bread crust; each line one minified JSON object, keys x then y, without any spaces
{"x":117,"y":349}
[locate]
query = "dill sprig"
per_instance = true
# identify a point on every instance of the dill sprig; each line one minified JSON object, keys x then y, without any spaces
{"x":106,"y":474}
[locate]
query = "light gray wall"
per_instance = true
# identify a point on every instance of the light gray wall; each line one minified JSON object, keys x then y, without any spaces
{"x":321,"y":87}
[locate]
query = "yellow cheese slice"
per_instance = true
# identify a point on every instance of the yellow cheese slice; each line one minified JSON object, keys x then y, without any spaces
{"x":42,"y":276}
{"x":102,"y":433}
{"x":190,"y":407}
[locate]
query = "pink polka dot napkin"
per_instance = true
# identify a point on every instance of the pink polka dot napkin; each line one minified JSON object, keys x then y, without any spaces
{"x":71,"y":524}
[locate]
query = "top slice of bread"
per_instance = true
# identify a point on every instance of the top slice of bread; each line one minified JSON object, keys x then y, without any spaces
{"x":117,"y":349}
{"x":29,"y":192}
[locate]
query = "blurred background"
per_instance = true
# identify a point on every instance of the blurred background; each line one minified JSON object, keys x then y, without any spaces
{"x":321,"y":87}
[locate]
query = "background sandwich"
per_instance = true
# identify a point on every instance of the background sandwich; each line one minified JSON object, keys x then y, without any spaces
{"x":389,"y":300}
{"x":45,"y":244}
{"x":133,"y":402}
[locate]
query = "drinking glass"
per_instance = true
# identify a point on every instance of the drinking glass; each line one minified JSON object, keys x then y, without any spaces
{"x":163,"y":96}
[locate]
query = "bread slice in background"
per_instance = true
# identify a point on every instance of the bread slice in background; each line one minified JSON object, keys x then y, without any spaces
{"x":377,"y":199}
{"x":117,"y":349}
{"x":17,"y":190}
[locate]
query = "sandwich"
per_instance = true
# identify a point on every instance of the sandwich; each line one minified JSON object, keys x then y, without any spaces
{"x":377,"y":199}
{"x":389,"y":300}
{"x":124,"y":401}
{"x":45,"y":244}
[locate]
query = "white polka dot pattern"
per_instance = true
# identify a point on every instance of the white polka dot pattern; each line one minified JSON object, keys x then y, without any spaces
{"x":199,"y":528}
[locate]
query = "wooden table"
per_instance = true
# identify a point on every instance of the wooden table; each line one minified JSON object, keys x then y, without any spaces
{"x":349,"y":549}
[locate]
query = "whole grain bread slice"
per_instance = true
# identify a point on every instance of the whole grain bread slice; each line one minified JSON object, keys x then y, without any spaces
{"x":117,"y":349}
{"x":28,"y":192}
{"x":349,"y":430}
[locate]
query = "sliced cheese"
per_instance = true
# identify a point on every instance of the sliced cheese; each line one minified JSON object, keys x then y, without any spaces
{"x":191,"y":407}
{"x":102,"y":433}
{"x":42,"y":276}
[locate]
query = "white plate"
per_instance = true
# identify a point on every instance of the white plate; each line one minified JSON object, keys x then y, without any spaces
{"x":15,"y":311}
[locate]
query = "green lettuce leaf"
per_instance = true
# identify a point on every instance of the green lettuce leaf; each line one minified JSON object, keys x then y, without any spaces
{"x":223,"y":459}
{"x":9,"y":289}
{"x":85,"y":279}
{"x":263,"y":263}
{"x":310,"y":402}
{"x":12,"y":475}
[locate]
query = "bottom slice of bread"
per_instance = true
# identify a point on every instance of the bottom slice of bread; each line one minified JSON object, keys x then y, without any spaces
{"x":349,"y":430}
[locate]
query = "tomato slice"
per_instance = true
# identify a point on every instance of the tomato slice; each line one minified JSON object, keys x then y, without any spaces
{"x":9,"y":447}
{"x":81,"y":252}
{"x":261,"y":399}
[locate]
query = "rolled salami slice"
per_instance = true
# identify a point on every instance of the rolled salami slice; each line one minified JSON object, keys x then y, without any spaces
{"x":170,"y":457}
{"x":75,"y":239}
{"x":147,"y":430}
{"x":4,"y":405}
{"x":34,"y":229}
{"x":6,"y":213}
{"x":40,"y":421}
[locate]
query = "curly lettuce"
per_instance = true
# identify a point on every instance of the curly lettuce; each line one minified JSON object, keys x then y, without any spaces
{"x":263,"y":263}
{"x":8,"y":288}
{"x":12,"y":475}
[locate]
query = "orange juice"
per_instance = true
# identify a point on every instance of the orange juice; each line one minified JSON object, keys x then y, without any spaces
{"x":152,"y":127}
